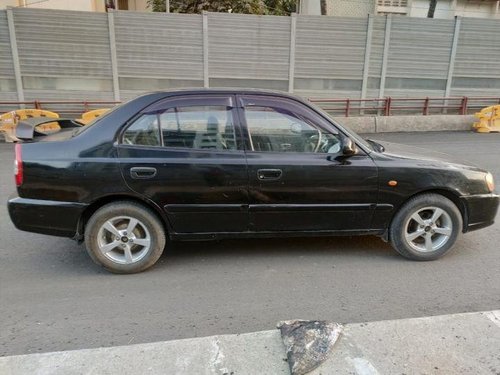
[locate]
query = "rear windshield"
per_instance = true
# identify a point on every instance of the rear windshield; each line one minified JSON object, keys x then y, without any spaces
{"x":96,"y":120}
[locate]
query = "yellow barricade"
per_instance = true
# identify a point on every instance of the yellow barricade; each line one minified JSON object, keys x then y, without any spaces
{"x":90,"y":116}
{"x":489,"y":120}
{"x":9,"y":120}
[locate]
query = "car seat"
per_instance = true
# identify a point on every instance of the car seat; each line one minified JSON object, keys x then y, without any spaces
{"x":211,"y":139}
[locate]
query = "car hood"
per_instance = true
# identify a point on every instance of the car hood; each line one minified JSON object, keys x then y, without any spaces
{"x":400,"y":151}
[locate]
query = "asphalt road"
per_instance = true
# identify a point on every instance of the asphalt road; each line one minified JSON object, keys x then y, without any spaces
{"x":52,"y":297}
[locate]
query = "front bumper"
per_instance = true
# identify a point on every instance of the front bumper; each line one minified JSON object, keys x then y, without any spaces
{"x":481,"y":211}
{"x":55,"y":218}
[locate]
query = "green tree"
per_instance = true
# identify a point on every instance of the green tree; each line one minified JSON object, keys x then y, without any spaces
{"x":275,"y":7}
{"x":281,"y":7}
{"x":198,"y":6}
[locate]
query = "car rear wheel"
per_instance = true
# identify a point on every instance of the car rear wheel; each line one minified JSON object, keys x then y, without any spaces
{"x":426,"y":227}
{"x":124,"y":237}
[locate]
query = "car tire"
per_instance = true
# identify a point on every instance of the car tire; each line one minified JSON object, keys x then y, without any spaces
{"x":124,"y":237}
{"x":426,"y":227}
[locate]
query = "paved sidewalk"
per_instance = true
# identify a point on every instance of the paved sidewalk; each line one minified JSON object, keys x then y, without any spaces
{"x":448,"y":344}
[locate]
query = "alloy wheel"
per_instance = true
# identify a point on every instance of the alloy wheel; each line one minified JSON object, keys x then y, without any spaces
{"x":124,"y":239}
{"x":428,"y":229}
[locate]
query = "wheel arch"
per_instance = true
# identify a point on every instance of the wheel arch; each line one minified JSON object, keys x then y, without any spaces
{"x":447,"y":193}
{"x":94,"y":206}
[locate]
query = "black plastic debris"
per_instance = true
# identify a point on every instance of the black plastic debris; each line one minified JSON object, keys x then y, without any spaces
{"x":308,"y":343}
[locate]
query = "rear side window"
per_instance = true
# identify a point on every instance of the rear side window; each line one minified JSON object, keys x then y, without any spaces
{"x":144,"y":131}
{"x":197,"y":127}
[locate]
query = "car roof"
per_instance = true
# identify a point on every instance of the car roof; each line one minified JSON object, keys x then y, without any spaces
{"x":105,"y":127}
{"x":224,"y":90}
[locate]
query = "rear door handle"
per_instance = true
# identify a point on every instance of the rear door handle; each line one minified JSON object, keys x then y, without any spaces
{"x":269,"y":174}
{"x":139,"y":173}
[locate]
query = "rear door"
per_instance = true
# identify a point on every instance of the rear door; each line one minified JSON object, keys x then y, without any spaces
{"x":186,"y":154}
{"x":298,"y":178}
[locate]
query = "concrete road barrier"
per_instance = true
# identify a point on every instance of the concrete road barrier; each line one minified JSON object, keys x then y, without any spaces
{"x":387,"y":124}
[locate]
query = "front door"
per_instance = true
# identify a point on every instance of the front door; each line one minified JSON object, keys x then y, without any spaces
{"x":185,"y":154}
{"x":299,"y":180}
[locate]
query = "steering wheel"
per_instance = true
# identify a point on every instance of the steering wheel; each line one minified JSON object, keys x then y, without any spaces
{"x":314,"y":142}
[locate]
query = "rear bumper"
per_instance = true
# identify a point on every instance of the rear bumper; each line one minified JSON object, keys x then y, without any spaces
{"x":481,"y":209}
{"x":55,"y":218}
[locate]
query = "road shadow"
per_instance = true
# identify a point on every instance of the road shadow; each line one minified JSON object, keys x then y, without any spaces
{"x":346,"y":247}
{"x":66,"y":256}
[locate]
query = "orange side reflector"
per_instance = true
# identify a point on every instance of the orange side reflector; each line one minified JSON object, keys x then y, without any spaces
{"x":392,"y":183}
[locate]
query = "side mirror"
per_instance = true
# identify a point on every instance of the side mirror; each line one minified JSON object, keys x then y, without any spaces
{"x":348,"y":147}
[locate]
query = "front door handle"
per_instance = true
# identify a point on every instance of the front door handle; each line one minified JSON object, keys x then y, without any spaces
{"x":139,"y":173}
{"x":269,"y":174}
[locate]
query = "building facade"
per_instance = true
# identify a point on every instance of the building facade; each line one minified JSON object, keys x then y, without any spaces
{"x":448,"y":9}
{"x":445,"y":9}
{"x":82,"y":5}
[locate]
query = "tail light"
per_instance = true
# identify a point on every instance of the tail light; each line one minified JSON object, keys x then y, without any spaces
{"x":18,"y":166}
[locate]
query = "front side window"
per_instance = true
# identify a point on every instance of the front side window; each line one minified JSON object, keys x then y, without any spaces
{"x":273,"y":129}
{"x":201,"y":127}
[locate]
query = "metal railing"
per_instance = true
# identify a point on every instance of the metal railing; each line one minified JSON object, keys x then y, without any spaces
{"x":388,"y":106}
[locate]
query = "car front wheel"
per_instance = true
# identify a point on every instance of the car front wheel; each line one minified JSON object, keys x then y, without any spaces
{"x":124,"y":237}
{"x":426,"y":227}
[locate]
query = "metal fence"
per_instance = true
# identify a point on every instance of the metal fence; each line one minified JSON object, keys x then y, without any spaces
{"x":387,"y":106}
{"x":65,"y":55}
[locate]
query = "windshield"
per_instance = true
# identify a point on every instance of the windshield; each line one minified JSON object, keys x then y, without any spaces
{"x":351,"y":133}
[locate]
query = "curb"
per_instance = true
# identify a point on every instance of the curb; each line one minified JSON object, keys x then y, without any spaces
{"x":448,"y":344}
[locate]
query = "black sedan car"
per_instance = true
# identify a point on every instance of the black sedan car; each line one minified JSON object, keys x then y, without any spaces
{"x":215,"y":163}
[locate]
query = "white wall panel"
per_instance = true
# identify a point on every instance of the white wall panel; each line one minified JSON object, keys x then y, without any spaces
{"x":66,"y":55}
{"x":248,"y":46}
{"x":62,"y":43}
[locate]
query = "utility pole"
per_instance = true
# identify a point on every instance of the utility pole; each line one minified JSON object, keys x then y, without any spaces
{"x":167,"y":6}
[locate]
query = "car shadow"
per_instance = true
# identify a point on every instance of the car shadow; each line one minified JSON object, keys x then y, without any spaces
{"x":177,"y":252}
{"x":68,"y":257}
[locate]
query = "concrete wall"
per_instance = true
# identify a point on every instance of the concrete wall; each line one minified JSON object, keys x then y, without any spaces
{"x":81,"y":5}
{"x":84,"y":5}
{"x":420,"y":8}
{"x":382,"y":124}
{"x":139,"y":5}
{"x":349,"y":8}
{"x":8,"y":3}
{"x":310,"y":7}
